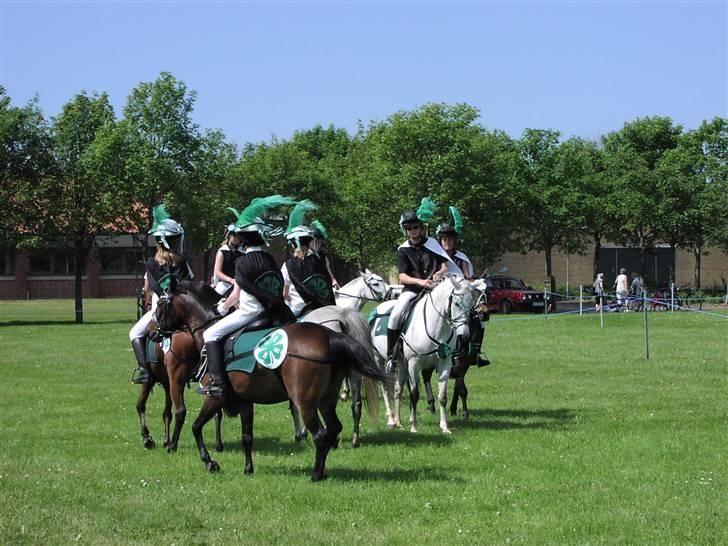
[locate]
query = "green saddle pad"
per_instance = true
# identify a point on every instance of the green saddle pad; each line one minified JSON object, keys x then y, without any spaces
{"x":267,"y":347}
{"x":152,"y":352}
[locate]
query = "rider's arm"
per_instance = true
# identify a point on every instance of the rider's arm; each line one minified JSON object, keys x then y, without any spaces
{"x":233,"y":298}
{"x":217,"y":271}
{"x":404,"y":278}
{"x":334,"y":282}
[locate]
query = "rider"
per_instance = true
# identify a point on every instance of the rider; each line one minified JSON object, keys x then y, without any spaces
{"x":307,"y":281}
{"x":167,"y":261}
{"x":418,"y":259}
{"x":448,"y":234}
{"x":223,"y":275}
{"x":319,"y":236}
{"x":257,"y":288}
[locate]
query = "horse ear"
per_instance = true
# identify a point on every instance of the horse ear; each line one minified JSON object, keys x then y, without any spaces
{"x":367,"y":271}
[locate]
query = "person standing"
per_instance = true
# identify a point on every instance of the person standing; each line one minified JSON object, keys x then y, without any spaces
{"x":599,"y":291}
{"x":622,"y":288}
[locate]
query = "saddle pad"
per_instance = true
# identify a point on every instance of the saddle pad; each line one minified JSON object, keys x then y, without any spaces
{"x":243,"y":349}
{"x":151,"y":352}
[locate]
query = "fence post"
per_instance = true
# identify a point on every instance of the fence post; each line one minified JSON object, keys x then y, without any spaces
{"x":545,"y":303}
{"x":581,"y":299}
{"x":647,"y":333}
{"x":672,"y":297}
{"x":601,"y":312}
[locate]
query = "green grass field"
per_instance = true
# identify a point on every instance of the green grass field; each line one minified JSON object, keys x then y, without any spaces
{"x":574,"y":437}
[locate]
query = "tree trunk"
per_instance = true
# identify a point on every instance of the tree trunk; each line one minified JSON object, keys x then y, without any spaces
{"x":547,"y":255}
{"x":597,"y":251}
{"x":79,"y":252}
{"x":697,"y":253}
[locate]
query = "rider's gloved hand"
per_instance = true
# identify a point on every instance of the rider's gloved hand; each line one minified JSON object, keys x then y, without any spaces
{"x":221,"y":308}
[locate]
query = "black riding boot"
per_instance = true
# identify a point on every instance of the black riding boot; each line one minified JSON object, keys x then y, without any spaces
{"x":141,"y":376}
{"x":392,"y":337}
{"x":215,"y":367}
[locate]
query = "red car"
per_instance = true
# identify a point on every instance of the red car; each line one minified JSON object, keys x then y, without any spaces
{"x":508,"y":294}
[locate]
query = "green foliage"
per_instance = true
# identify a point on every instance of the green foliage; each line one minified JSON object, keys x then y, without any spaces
{"x":582,"y":441}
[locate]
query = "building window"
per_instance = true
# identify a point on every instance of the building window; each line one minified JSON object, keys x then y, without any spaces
{"x":7,"y":262}
{"x":52,"y":262}
{"x":121,"y":261}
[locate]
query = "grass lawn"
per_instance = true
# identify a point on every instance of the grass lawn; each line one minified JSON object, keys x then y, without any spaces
{"x":574,"y":437}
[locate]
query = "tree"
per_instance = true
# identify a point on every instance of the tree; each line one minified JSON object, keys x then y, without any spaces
{"x":25,"y":158}
{"x":80,"y":205}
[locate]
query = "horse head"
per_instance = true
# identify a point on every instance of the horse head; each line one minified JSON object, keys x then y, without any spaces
{"x":185,"y":304}
{"x":461,"y":296}
{"x":375,"y":283}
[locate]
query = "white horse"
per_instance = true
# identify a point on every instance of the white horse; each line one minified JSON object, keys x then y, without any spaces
{"x":438,"y":320}
{"x":367,"y":286}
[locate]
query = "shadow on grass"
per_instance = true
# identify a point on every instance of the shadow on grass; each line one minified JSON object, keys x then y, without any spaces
{"x":497,"y":419}
{"x":360,"y":474}
{"x":62,"y":322}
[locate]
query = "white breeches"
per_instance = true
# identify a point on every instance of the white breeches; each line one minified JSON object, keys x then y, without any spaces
{"x":401,"y":304}
{"x":221,"y":287}
{"x":250,"y":308}
{"x":140,"y":328}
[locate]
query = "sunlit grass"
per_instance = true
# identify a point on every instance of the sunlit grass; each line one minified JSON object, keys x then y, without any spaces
{"x":574,"y":437}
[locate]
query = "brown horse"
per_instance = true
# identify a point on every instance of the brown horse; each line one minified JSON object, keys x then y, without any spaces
{"x":310,"y":375}
{"x":173,"y":370}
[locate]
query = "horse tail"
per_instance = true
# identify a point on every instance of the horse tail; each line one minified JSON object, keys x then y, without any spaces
{"x":355,"y":356}
{"x":357,"y":327}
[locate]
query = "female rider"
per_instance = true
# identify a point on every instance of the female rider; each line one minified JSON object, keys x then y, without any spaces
{"x":225,"y":258}
{"x":167,"y":261}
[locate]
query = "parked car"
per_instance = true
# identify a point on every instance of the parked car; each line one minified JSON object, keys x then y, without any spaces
{"x":507,"y":294}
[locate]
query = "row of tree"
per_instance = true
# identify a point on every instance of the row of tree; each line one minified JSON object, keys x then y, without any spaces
{"x":88,"y":172}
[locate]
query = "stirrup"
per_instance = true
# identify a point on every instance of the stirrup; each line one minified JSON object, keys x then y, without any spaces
{"x":140,"y":377}
{"x":216,"y":391}
{"x":390,"y":367}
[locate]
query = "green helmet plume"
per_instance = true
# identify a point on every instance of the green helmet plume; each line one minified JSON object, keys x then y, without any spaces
{"x":298,"y":214}
{"x":160,"y":214}
{"x":457,"y":219}
{"x":253,"y":213}
{"x":318,"y":228}
{"x":427,"y":209}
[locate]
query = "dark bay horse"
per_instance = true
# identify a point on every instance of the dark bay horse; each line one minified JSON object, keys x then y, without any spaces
{"x":310,"y":375}
{"x":173,"y":370}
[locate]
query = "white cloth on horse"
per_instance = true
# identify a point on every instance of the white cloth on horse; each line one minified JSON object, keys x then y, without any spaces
{"x":140,"y":328}
{"x":294,"y":300}
{"x":250,"y":308}
{"x":401,"y":303}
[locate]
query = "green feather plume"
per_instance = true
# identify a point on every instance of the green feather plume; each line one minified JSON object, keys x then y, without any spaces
{"x":160,"y":214}
{"x":457,"y":219}
{"x":316,"y":224}
{"x":298,"y":214}
{"x":234,"y":211}
{"x":259,"y":206}
{"x":427,"y":209}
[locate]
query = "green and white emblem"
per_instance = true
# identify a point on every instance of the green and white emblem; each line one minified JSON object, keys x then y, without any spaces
{"x":272,"y":349}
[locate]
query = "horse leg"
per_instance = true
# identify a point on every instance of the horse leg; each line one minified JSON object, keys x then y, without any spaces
{"x":218,"y":432}
{"x":455,"y":397}
{"x":167,"y":416}
{"x":141,"y":408}
{"x":463,"y":390}
{"x":246,"y":420}
{"x":398,"y":386}
{"x":299,"y":432}
{"x":426,"y":377}
{"x":443,"y":376}
{"x":176,"y":387}
{"x":210,"y":407}
{"x":414,"y":397}
{"x":355,"y":382}
{"x":345,"y":390}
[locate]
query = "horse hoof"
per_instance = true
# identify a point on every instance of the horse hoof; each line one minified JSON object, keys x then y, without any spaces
{"x":453,"y":413}
{"x":171,"y":449}
{"x":149,"y":443}
{"x":301,"y":436}
{"x":344,"y":396}
{"x":248,"y":471}
{"x":219,"y":448}
{"x":213,"y":467}
{"x":446,"y":431}
{"x":413,"y":430}
{"x":320,"y":478}
{"x":355,"y":441}
{"x":466,"y":416}
{"x":430,"y":408}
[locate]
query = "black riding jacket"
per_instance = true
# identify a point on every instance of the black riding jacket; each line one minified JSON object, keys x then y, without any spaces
{"x":249,"y":268}
{"x":229,"y":257}
{"x":300,"y":270}
{"x":155,"y":273}
{"x":419,"y":262}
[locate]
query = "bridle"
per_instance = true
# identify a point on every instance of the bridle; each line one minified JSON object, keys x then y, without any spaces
{"x":375,"y":295}
{"x":161,"y":318}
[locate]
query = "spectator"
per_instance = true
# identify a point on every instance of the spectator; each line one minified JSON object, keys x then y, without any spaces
{"x":599,"y":290}
{"x":621,"y":288}
{"x":637,"y":287}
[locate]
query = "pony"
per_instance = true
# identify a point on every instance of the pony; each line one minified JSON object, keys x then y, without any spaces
{"x":172,"y":370}
{"x":367,"y":286}
{"x":310,"y":374}
{"x":351,"y":322}
{"x":437,"y":327}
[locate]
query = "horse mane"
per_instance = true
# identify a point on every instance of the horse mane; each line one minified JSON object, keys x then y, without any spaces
{"x":201,"y":291}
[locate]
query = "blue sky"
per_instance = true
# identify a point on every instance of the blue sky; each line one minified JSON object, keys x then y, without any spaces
{"x":263,"y":69}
